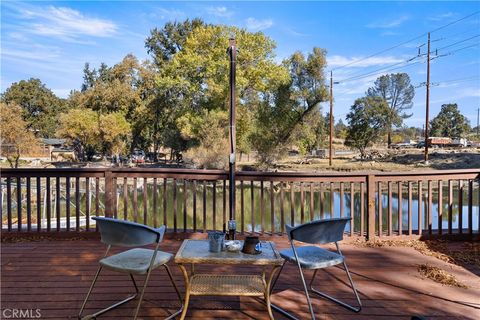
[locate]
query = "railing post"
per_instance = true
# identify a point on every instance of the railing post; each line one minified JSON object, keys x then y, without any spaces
{"x":370,"y":207}
{"x":108,"y":193}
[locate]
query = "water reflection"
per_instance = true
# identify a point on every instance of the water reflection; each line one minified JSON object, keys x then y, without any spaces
{"x":317,"y":204}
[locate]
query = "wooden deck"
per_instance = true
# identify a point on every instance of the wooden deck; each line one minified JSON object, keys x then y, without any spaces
{"x":53,"y":276}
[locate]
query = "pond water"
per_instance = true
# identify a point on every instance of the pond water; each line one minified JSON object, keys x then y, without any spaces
{"x":321,"y":206}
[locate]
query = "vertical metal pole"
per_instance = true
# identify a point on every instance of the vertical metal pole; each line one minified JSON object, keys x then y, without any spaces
{"x":330,"y":153}
{"x":427,"y":102}
{"x":232,"y":52}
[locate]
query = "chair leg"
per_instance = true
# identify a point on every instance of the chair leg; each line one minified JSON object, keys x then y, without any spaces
{"x":275,"y":307}
{"x":305,"y":288}
{"x":89,"y":291}
{"x":343,"y":304}
{"x":96,"y":314}
{"x":178,"y":294}
{"x":141,"y":294}
{"x":310,"y":307}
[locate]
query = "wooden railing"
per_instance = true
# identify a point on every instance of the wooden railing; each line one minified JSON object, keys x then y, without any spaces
{"x":383,"y":204}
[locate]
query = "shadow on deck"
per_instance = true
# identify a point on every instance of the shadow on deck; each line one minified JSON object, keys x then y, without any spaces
{"x":53,"y":276}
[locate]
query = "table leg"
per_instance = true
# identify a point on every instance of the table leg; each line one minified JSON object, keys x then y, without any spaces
{"x":267,"y":291}
{"x":187,"y":291}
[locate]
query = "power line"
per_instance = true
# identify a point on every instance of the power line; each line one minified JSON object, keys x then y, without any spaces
{"x":453,"y":22}
{"x":453,"y":52}
{"x":461,"y":41}
{"x":381,"y":71}
{"x":377,"y":53}
{"x":389,"y":68}
{"x":405,"y":42}
{"x":460,"y":79}
{"x":355,"y":74}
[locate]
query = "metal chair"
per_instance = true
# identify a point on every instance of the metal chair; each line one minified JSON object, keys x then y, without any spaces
{"x":138,"y":261}
{"x":314,"y":257}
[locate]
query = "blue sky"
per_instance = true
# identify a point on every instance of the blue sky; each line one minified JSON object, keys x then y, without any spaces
{"x":53,"y":40}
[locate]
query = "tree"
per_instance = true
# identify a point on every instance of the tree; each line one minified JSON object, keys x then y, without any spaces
{"x":340,"y":129}
{"x":285,"y":112}
{"x":208,"y":131}
{"x":195,"y":79}
{"x":40,"y":106}
{"x":397,"y":91}
{"x":114,"y":132}
{"x":367,"y":121}
{"x":124,"y":90}
{"x":15,"y":137}
{"x":310,"y":133}
{"x":449,"y":123}
{"x":165,"y":43}
{"x":94,"y":132}
{"x":307,"y":79}
{"x":80,"y":126}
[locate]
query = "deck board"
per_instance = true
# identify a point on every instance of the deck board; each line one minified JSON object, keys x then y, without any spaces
{"x":53,"y":276}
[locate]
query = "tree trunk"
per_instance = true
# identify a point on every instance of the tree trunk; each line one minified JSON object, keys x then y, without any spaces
{"x":389,"y":138}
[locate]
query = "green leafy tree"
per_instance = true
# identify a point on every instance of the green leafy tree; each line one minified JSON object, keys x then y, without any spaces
{"x":449,"y":123}
{"x":367,"y":120}
{"x":397,"y":91}
{"x":195,"y":78}
{"x":80,"y":126}
{"x":89,"y":77}
{"x":16,"y":139}
{"x":207,"y":132}
{"x":310,"y":133}
{"x":123,"y":91}
{"x":307,"y":79}
{"x":114,"y":131}
{"x":40,"y":106}
{"x":340,"y":129}
{"x":92,"y":132}
{"x":284,"y":112}
{"x":164,"y":43}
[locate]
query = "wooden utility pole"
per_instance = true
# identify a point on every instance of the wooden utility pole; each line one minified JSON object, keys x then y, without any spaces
{"x":427,"y":102}
{"x":330,"y":152}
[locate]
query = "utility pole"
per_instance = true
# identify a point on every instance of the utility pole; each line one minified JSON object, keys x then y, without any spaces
{"x":330,"y":152}
{"x":427,"y":102}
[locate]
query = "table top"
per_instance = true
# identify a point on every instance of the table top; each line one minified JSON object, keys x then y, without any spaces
{"x":196,"y":251}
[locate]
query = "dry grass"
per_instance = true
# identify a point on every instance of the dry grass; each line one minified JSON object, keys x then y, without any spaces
{"x":457,"y":253}
{"x":440,"y":276}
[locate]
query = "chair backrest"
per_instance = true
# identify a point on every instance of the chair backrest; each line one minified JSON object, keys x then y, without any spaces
{"x":122,"y":233}
{"x":319,"y":231}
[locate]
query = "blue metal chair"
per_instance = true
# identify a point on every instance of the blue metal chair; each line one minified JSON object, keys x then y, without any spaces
{"x":140,"y":261}
{"x":314,"y":257}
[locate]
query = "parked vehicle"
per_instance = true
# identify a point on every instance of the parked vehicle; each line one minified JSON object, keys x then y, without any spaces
{"x":439,"y":141}
{"x":447,"y":142}
{"x":404,"y":145}
{"x":138,"y":156}
{"x":420,"y":144}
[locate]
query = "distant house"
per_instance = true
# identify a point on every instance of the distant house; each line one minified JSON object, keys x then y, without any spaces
{"x":57,"y":149}
{"x":52,"y":143}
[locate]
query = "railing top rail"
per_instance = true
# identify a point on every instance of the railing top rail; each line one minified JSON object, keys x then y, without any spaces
{"x":201,"y":174}
{"x":428,"y":172}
